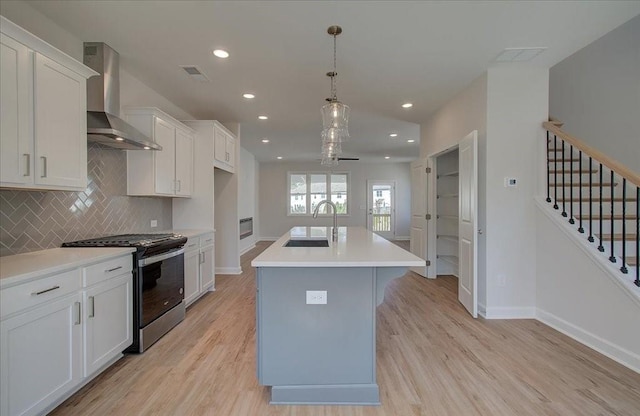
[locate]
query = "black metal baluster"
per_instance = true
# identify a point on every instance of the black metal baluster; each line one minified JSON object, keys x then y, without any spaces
{"x":555,"y":172}
{"x":580,"y":228}
{"x":590,"y":238}
{"x":600,"y":246}
{"x":612,"y":258}
{"x":637,"y":281}
{"x":548,"y":167}
{"x":564,"y":199}
{"x":623,"y":269}
{"x":571,"y":220}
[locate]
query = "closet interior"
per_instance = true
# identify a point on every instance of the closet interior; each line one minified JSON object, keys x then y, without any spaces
{"x":447,"y":213}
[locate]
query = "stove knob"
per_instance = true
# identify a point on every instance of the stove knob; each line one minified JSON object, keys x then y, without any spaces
{"x":181,"y":291}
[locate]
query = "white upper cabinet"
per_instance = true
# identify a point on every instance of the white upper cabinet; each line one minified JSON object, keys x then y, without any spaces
{"x":43,"y":139}
{"x":166,"y":172}
{"x":224,"y":148}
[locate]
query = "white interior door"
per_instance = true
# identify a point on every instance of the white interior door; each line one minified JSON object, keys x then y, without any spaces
{"x":381,"y":208}
{"x":468,"y":223}
{"x":418,"y":232}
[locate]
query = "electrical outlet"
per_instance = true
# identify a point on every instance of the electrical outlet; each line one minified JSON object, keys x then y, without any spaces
{"x":154,"y":223}
{"x":510,"y":182}
{"x":316,"y":297}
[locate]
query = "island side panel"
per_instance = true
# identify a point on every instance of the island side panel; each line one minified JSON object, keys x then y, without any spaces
{"x":300,"y":344}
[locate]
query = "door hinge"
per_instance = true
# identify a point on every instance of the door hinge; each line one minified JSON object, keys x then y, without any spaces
{"x":427,"y":217}
{"x":427,"y":170}
{"x":428,"y":262}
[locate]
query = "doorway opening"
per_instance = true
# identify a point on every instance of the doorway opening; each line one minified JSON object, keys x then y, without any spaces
{"x":381,"y":208}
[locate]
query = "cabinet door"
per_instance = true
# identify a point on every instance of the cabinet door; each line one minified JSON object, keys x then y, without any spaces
{"x":40,"y":356}
{"x":16,"y":139}
{"x":108,"y":321}
{"x":191,"y":276}
{"x":184,"y":163}
{"x":60,"y":126}
{"x":220,"y":145}
{"x":207,"y":274}
{"x":231,"y":152}
{"x":165,"y":159}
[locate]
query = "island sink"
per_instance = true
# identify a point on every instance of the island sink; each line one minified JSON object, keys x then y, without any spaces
{"x":307,"y":243}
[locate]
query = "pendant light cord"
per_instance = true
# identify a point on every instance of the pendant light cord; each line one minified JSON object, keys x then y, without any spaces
{"x":333,"y":77}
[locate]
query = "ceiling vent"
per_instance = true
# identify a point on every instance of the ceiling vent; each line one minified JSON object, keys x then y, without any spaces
{"x":519,"y":54}
{"x":195,"y":73}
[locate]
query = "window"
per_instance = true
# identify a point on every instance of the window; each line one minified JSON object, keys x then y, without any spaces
{"x":307,"y":190}
{"x":378,"y":194}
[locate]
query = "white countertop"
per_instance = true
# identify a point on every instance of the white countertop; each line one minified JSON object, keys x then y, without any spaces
{"x":21,"y":268}
{"x":356,"y":247}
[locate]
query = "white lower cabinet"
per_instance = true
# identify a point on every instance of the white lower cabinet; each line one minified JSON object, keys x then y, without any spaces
{"x":108,"y":321}
{"x":58,"y":331}
{"x":41,"y":356}
{"x":199,"y":274}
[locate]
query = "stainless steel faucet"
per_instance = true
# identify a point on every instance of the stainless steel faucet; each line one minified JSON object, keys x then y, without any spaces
{"x":334,"y":232}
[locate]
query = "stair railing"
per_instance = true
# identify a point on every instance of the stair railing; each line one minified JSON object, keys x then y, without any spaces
{"x":560,"y":163}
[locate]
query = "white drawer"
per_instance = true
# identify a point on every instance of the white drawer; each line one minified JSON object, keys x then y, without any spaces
{"x":207,"y":239}
{"x":16,"y":298}
{"x":106,"y":270}
{"x":193,"y":243}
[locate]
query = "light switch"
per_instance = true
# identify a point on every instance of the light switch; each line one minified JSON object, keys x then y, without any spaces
{"x":510,"y":182}
{"x":316,"y":297}
{"x":154,"y":223}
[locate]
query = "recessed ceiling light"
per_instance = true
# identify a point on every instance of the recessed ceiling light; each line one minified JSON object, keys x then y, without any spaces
{"x":265,"y":140}
{"x":410,"y":141}
{"x":393,"y":135}
{"x":279,"y":157}
{"x":387,"y":157}
{"x":147,"y":148}
{"x":263,"y":117}
{"x":248,"y":95}
{"x":407,"y":105}
{"x":221,"y":53}
{"x":120,"y":139}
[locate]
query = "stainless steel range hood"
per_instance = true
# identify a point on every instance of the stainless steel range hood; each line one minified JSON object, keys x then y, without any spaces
{"x":103,"y":102}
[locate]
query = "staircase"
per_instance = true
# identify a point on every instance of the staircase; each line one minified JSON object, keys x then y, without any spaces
{"x":598,"y":195}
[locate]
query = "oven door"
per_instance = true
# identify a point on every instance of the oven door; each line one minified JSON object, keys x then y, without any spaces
{"x":162,"y":280}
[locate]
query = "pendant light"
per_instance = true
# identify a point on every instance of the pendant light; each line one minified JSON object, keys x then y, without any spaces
{"x":335,"y":115}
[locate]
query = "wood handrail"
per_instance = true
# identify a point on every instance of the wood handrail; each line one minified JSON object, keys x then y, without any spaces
{"x":597,"y":155}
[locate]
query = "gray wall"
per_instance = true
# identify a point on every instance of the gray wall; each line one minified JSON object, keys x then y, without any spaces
{"x":273,"y":195}
{"x":596,"y":93}
{"x":31,"y":220}
{"x":248,"y":195}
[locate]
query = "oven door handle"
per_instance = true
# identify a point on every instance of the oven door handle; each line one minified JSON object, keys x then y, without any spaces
{"x":160,"y":257}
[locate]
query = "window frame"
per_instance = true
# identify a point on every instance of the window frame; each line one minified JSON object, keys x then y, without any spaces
{"x":307,"y":198}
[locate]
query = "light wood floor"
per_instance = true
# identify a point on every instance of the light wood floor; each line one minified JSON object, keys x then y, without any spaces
{"x":432,"y":359}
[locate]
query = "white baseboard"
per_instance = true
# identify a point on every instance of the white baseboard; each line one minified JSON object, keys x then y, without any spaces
{"x":402,"y":238}
{"x":247,"y":249}
{"x":507,"y":312}
{"x":627,"y":358}
{"x":228,"y":270}
{"x":267,"y":238}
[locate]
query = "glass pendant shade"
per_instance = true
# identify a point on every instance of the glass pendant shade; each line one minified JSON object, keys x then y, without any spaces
{"x":335,"y":116}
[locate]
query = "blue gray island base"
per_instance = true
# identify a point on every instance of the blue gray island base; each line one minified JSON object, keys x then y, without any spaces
{"x":319,"y":353}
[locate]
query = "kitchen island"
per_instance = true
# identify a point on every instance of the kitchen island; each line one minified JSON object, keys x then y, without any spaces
{"x":316,"y":314}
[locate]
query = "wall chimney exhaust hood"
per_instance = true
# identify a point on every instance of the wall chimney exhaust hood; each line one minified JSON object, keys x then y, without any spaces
{"x":103,"y":102}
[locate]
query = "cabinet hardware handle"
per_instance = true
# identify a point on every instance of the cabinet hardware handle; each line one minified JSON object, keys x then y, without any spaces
{"x":28,"y":164}
{"x":206,"y":241}
{"x":45,"y":291}
{"x":44,"y":166}
{"x":179,"y":185}
{"x":203,"y":258}
{"x":191,"y":245}
{"x":79,"y":319}
{"x":113,"y":270}
{"x":92,"y":309}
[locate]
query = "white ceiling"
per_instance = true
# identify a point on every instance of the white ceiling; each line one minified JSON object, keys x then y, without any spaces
{"x":390,"y":52}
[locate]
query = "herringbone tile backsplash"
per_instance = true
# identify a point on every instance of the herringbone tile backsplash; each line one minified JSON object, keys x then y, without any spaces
{"x":34,"y":220}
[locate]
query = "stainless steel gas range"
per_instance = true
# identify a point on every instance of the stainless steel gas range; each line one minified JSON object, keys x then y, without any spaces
{"x":158,"y":282}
